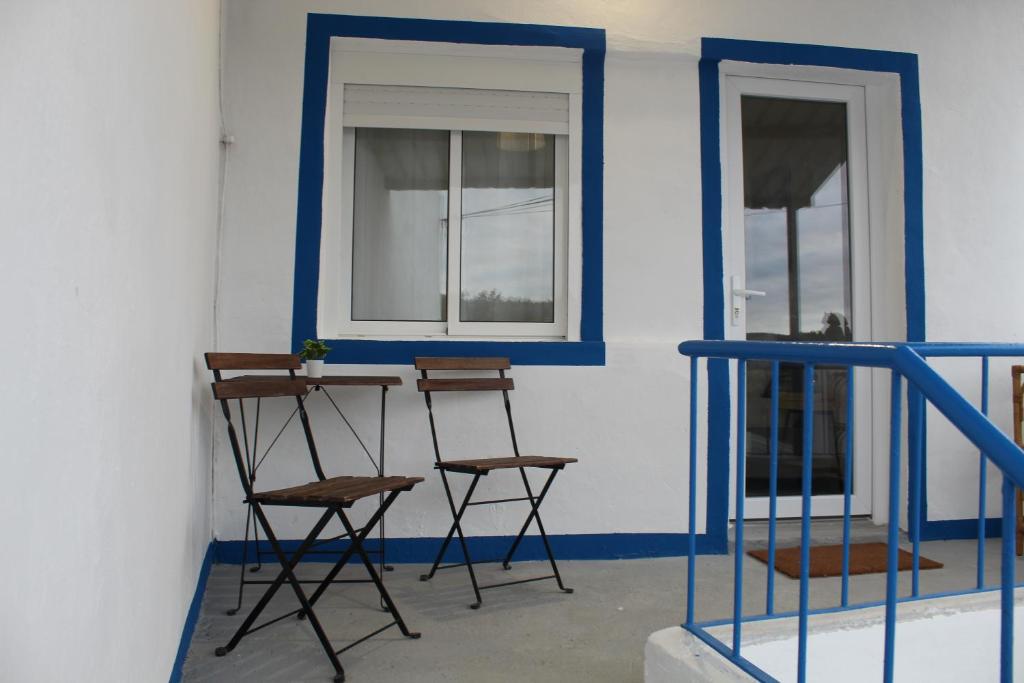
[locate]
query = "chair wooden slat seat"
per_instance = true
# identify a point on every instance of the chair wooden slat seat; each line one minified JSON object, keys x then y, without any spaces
{"x":485,"y":465}
{"x":342,"y":491}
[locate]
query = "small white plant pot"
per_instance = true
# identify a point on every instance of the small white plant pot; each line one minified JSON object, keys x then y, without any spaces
{"x":314,"y":368}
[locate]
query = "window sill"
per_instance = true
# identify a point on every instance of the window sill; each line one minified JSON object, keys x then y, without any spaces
{"x":402,"y":352}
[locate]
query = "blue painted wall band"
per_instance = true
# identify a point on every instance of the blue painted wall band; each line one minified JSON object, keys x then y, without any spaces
{"x":564,"y":546}
{"x":713,"y":51}
{"x":320,"y":28}
{"x":192,"y":618}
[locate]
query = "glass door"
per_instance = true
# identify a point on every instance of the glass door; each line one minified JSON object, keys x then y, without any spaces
{"x":797,"y":241}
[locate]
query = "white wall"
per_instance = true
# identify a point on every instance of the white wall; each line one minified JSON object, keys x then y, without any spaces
{"x":108,"y":206}
{"x":626,"y":421}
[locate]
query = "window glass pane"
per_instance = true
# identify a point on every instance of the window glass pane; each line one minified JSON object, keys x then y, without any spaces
{"x":400,"y":225}
{"x":508,"y":234}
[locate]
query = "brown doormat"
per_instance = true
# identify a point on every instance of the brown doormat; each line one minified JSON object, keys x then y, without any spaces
{"x":827,"y":560}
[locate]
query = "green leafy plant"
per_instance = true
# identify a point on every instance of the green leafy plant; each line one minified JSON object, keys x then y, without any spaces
{"x":314,"y":349}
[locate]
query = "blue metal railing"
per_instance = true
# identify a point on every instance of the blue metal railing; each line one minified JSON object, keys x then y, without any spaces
{"x":906,"y":361}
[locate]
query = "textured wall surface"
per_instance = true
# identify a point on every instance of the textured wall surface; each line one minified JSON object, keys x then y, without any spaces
{"x":108,"y":207}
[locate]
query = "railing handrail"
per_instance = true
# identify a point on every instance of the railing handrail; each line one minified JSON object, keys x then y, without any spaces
{"x":906,"y":359}
{"x":796,"y":350}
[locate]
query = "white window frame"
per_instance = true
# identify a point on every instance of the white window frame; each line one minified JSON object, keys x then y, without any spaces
{"x":446,"y":65}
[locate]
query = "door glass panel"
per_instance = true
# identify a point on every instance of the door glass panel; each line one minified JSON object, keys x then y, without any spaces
{"x":400,"y":225}
{"x":508,"y":227}
{"x":797,"y":245}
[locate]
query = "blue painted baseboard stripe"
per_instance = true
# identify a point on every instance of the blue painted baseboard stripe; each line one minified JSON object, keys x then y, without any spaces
{"x":192,"y":618}
{"x":954,"y":529}
{"x":565,"y":547}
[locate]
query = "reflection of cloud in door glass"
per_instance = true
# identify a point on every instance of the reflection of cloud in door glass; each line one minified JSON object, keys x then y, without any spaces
{"x":767,"y":264}
{"x":823,"y":256}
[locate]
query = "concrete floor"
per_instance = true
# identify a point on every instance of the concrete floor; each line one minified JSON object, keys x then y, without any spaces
{"x":531,"y":632}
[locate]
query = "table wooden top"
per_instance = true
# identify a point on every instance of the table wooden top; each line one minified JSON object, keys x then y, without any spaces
{"x":333,"y":380}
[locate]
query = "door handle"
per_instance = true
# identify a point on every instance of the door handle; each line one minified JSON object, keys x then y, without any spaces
{"x":740,"y":293}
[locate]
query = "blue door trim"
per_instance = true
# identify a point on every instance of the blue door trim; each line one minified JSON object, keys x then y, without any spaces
{"x":320,"y":28}
{"x":713,"y":51}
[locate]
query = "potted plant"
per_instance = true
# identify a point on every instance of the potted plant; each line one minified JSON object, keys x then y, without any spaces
{"x":313,"y":352}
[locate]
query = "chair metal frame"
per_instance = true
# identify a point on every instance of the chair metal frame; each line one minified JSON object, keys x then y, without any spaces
{"x":482,"y":467}
{"x":219,"y":362}
{"x":333,"y":495}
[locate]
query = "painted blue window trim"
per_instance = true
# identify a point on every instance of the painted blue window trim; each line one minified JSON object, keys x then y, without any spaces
{"x":320,"y":28}
{"x":713,"y":51}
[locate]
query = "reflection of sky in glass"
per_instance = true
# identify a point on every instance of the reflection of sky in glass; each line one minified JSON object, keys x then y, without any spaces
{"x":822,"y":239}
{"x":507,"y":245}
{"x":824,"y":253}
{"x":508,"y":201}
{"x":767,"y":264}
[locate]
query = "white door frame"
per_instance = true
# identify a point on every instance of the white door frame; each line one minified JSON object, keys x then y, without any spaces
{"x":734,"y":87}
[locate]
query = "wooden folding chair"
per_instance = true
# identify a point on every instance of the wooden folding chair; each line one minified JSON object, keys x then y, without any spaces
{"x":1017,"y":373}
{"x":484,"y":466}
{"x":255,"y":458}
{"x":333,"y":495}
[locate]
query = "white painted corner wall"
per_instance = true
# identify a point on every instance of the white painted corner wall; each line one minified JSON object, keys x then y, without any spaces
{"x":108,"y":206}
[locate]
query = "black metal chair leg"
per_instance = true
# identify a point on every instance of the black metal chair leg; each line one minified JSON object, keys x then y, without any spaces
{"x":547,"y":547}
{"x":278,"y":582}
{"x":534,"y":505}
{"x":456,"y":517}
{"x":245,"y":557}
{"x":288,"y":570}
{"x":440,"y":555}
{"x":256,"y":544}
{"x":535,"y":514}
{"x":347,"y":554}
{"x":357,"y":543}
{"x":462,"y":540}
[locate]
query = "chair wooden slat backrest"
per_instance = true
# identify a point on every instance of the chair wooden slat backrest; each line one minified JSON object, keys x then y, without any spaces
{"x":272,"y":386}
{"x":427,"y":384}
{"x":259,"y":388}
{"x":218,"y":361}
{"x":428,"y":363}
{"x":466,"y":384}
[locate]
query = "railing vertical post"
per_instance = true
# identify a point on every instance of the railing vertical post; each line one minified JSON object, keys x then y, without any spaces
{"x":982,"y":480}
{"x":773,"y":486}
{"x":915,"y":417}
{"x":805,"y":519}
{"x":844,"y":596}
{"x":741,"y":462}
{"x":1008,"y":581}
{"x":691,"y":556}
{"x":893,"y":539}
